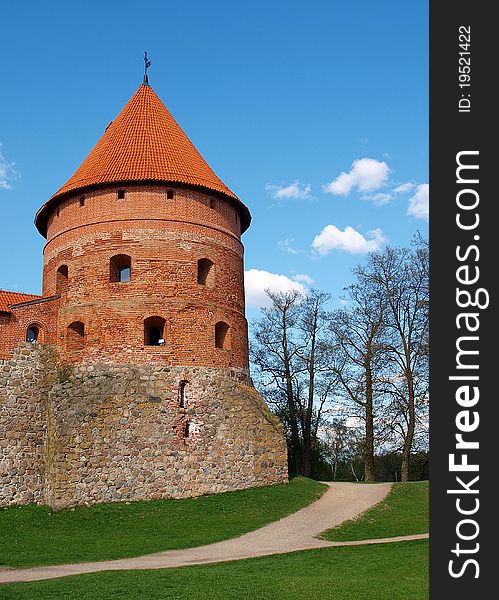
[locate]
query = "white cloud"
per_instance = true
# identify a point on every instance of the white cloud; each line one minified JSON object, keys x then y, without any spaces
{"x":257,"y":281}
{"x":419,"y":203}
{"x":303,"y":278}
{"x":7,"y":172}
{"x":293,"y":191}
{"x":350,"y":240}
{"x":366,"y":174}
{"x":342,"y":185}
{"x":287,"y":246}
{"x":404,"y":188}
{"x":379,"y":199}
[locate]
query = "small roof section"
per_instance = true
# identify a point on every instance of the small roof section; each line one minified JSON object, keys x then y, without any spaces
{"x":143,"y":144}
{"x":9,"y":298}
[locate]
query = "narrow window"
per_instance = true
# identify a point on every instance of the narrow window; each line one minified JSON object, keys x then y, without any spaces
{"x":32,"y":334}
{"x":222,"y":335}
{"x":169,"y":194}
{"x":61,"y":280}
{"x":120,"y":268}
{"x":187,"y":429}
{"x":154,"y":328}
{"x":212,"y":203}
{"x":82,"y":201}
{"x":121,"y":194}
{"x":181,"y":393}
{"x":75,"y":336}
{"x":58,"y":211}
{"x":205,"y":271}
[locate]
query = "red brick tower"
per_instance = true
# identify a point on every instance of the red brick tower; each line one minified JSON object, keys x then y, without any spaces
{"x":143,"y":246}
{"x":128,"y":378}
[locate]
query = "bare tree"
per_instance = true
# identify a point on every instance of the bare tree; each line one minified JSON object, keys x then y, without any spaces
{"x":399,"y":277}
{"x":290,"y":353}
{"x":358,"y":359}
{"x":371,"y":357}
{"x":315,"y":357}
{"x":275,"y":352}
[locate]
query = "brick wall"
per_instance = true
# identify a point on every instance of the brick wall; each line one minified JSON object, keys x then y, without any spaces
{"x":14,"y":326}
{"x":164,"y":239}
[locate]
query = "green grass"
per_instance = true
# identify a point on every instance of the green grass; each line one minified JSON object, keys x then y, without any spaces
{"x":403,"y":512}
{"x":35,"y":535}
{"x":384,"y":572}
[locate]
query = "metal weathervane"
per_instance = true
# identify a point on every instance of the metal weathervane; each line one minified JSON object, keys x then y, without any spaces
{"x":147,"y":64}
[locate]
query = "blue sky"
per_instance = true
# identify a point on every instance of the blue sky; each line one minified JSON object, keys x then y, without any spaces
{"x":315,"y":114}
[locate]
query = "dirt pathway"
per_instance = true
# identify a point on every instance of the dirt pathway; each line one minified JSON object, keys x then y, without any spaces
{"x":342,"y":501}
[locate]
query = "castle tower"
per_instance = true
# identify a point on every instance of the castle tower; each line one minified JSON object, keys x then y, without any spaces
{"x":143,"y":246}
{"x":134,"y":373}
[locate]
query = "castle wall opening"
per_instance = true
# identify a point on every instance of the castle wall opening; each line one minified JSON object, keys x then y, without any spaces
{"x":62,"y":280}
{"x":120,"y":268}
{"x":75,"y":336}
{"x":33,"y":334}
{"x":154,"y":331}
{"x":206,"y":272}
{"x":182,"y":386}
{"x":222,"y":338}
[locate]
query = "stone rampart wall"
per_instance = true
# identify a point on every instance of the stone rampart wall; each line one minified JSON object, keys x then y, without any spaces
{"x":89,"y":433}
{"x":24,"y":386}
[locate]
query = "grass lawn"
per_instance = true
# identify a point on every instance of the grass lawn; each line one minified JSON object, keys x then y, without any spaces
{"x":35,"y":535}
{"x":403,"y":512}
{"x":385,"y":572}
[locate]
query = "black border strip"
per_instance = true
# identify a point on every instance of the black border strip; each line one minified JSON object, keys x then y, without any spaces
{"x":453,"y":130}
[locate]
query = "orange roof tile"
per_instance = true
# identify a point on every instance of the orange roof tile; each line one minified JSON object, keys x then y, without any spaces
{"x":8,"y":298}
{"x":143,"y":143}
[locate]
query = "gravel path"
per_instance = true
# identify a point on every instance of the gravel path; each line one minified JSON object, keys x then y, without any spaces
{"x":342,"y":501}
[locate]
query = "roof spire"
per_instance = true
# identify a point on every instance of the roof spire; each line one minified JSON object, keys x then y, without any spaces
{"x":147,"y":64}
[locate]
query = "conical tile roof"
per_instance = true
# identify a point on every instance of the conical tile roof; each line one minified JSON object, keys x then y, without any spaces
{"x":144,"y":143}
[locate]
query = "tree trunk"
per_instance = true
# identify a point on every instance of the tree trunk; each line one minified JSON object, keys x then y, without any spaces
{"x":293,"y":421}
{"x":293,"y":424}
{"x":411,"y":426}
{"x":306,"y":460}
{"x":369,"y":471}
{"x":307,"y":429}
{"x":369,"y":474}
